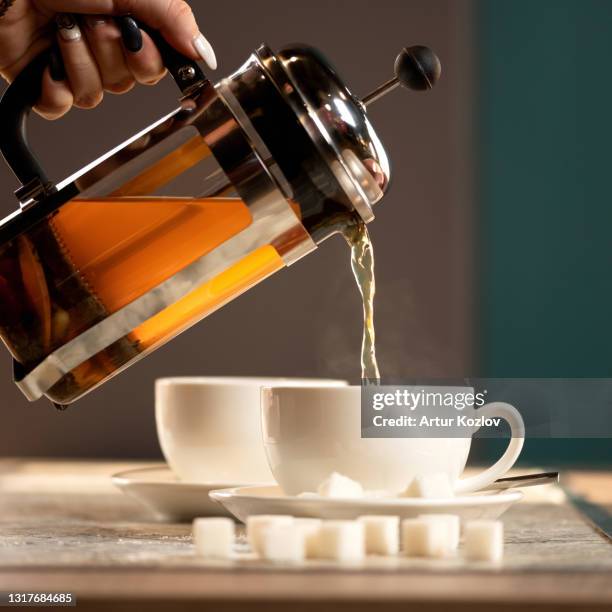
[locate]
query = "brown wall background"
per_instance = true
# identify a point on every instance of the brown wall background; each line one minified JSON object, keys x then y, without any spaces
{"x":306,"y":320}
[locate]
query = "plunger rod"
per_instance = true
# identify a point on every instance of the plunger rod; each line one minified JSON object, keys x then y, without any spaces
{"x":417,"y":68}
{"x":380,"y":91}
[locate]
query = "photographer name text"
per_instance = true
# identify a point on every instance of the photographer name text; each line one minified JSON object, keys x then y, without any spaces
{"x":460,"y":420}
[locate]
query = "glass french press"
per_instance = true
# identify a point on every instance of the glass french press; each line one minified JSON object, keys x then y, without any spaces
{"x":96,"y":271}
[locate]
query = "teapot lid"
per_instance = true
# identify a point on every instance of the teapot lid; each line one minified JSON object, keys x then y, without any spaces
{"x":338,"y":124}
{"x":337,"y":121}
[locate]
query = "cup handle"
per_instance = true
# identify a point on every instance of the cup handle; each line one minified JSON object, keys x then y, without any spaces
{"x":517,"y":438}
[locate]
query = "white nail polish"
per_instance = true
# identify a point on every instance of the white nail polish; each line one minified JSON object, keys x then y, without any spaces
{"x":205,"y":51}
{"x":67,"y":27}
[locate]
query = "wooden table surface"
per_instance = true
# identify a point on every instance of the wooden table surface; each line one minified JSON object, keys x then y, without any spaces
{"x":63,"y":527}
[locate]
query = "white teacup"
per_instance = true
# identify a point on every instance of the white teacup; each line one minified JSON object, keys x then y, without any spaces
{"x":309,"y":433}
{"x":209,"y":428}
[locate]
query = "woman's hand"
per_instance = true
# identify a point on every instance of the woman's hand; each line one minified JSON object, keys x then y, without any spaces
{"x":96,"y":58}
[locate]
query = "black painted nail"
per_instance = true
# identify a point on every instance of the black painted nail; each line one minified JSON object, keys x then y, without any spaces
{"x":56,"y":65}
{"x":130,"y":34}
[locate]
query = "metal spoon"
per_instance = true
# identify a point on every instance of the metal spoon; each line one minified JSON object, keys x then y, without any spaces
{"x":527,"y":480}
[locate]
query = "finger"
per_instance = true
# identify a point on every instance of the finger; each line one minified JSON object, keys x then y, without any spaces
{"x":35,"y":48}
{"x":104,"y":40}
{"x":177,"y":24}
{"x":81,"y":69}
{"x":173,"y":18}
{"x":56,"y":96}
{"x":141,"y":54}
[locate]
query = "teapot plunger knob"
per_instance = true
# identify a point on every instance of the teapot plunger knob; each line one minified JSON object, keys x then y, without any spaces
{"x":417,"y":68}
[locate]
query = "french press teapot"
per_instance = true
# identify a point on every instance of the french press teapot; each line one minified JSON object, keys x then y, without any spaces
{"x":96,"y":271}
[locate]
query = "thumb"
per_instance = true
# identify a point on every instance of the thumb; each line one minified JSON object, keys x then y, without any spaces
{"x":176,"y":23}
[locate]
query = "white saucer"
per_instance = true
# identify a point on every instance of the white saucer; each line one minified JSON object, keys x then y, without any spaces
{"x":244,"y":501}
{"x":170,"y":499}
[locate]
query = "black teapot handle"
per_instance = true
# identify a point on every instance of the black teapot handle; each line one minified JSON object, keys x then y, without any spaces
{"x":24,"y":92}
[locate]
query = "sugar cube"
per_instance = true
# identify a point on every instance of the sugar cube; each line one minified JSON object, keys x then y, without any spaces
{"x":424,"y":538}
{"x":310,"y":529}
{"x":381,"y":534}
{"x":214,"y":537}
{"x":258,"y":523}
{"x":484,"y":540}
{"x":341,"y":541}
{"x":283,"y":543}
{"x":339,"y":486}
{"x":431,"y":486}
{"x":452,"y":524}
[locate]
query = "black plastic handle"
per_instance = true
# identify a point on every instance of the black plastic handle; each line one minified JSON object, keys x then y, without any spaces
{"x":17,"y":101}
{"x":24,"y":92}
{"x":187,"y":74}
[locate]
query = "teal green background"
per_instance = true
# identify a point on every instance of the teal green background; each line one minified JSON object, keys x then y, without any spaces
{"x":544,"y":169}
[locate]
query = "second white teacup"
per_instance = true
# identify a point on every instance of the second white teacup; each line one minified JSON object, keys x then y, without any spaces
{"x":209,"y":428}
{"x":309,"y":433}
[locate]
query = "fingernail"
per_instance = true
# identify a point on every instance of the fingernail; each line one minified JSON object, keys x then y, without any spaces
{"x":130,"y":34}
{"x":93,"y":21}
{"x":67,"y":27}
{"x":205,"y":51}
{"x":56,"y":66}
